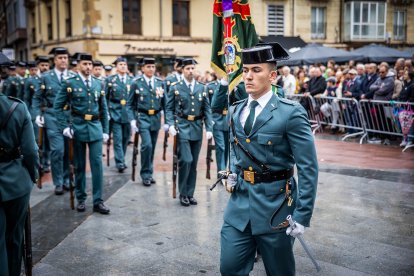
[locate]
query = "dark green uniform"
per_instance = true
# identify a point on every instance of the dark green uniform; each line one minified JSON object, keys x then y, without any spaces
{"x":280,"y":138}
{"x":117,"y":93}
{"x":89,"y":120}
{"x":144,"y":106}
{"x":211,"y":88}
{"x":43,"y":100}
{"x":172,"y":78}
{"x":18,"y":172}
{"x":14,"y":87}
{"x":187,"y":110}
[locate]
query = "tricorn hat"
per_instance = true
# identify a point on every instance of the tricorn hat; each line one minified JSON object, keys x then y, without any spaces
{"x":119,"y":59}
{"x":188,"y":61}
{"x":107,"y":67}
{"x":146,"y":60}
{"x":40,"y":59}
{"x":264,"y":53}
{"x":31,"y":64}
{"x":87,"y":57}
{"x":59,"y":51}
{"x":97,"y":63}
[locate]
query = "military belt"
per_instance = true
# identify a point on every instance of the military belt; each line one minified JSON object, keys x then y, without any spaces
{"x":86,"y":117}
{"x":220,"y":111}
{"x":150,"y":112}
{"x":254,"y":177}
{"x":9,"y":155}
{"x":122,"y":102}
{"x":190,"y":117}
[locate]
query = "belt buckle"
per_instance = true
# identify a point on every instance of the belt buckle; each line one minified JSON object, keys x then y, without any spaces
{"x":224,"y":112}
{"x":123,"y":102}
{"x":88,"y":117}
{"x":151,"y":111}
{"x":191,"y":117}
{"x":249,"y":176}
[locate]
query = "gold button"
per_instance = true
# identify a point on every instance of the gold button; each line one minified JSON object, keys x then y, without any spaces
{"x":192,"y":97}
{"x":152,"y":100}
{"x":250,"y":169}
{"x":269,"y":142}
{"x":192,"y":103}
{"x":192,"y":110}
{"x":89,"y":94}
{"x":247,"y":140}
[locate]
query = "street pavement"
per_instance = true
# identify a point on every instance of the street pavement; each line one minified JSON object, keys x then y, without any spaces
{"x":362,"y":224}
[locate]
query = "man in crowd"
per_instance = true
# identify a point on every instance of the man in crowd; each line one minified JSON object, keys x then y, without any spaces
{"x":289,"y":81}
{"x":176,"y":75}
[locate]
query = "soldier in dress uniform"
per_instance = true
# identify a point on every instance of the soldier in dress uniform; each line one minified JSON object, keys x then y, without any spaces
{"x":31,"y":84}
{"x":18,"y":167}
{"x":268,"y":135}
{"x":146,"y":101}
{"x":117,"y":89}
{"x":43,"y":64}
{"x":97,"y":69}
{"x":176,"y":75}
{"x":14,"y":85}
{"x":88,"y":126}
{"x":51,"y":84}
{"x":187,"y":107}
{"x":108,"y":70}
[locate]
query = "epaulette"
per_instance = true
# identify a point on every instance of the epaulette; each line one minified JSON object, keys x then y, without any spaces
{"x":201,"y":82}
{"x":157,"y":78}
{"x":286,"y":101}
{"x":15,"y":99}
{"x":174,"y":83}
{"x":95,"y":78}
{"x":239,"y":102}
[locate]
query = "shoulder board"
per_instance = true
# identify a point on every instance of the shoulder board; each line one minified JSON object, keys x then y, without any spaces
{"x":95,"y":78}
{"x":286,"y":101}
{"x":15,"y":99}
{"x":239,"y":102}
{"x":174,"y":83}
{"x":157,"y":79}
{"x":202,"y":83}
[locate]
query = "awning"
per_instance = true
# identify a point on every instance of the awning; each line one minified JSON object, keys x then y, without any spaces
{"x":287,"y":42}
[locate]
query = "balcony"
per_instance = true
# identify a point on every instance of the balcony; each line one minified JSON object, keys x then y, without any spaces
{"x":18,"y":34}
{"x":401,"y":2}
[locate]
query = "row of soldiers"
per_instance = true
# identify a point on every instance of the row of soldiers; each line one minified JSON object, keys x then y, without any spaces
{"x":80,"y":105}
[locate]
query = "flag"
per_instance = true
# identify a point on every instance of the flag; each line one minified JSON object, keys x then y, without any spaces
{"x":233,"y":30}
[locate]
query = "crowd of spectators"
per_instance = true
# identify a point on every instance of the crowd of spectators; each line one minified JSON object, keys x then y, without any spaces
{"x":381,"y":82}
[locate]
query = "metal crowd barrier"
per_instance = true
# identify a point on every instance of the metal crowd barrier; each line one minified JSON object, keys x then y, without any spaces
{"x":363,"y":118}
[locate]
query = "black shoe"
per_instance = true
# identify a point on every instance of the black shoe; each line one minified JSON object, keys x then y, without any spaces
{"x":58,"y":190}
{"x":153,"y":180}
{"x":101,"y":208}
{"x":192,"y":200}
{"x":121,"y":169}
{"x":184,"y":201}
{"x":146,"y":182}
{"x":66,"y":188}
{"x":81,"y":207}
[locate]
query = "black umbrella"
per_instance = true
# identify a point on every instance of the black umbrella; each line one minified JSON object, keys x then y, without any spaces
{"x":316,"y":53}
{"x":3,"y":59}
{"x":379,"y":53}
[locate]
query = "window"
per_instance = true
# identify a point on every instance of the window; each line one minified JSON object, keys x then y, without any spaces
{"x":49,"y":23}
{"x":33,"y":19}
{"x":68,"y":21}
{"x":365,"y":20}
{"x":275,"y":20}
{"x":400,"y":25}
{"x":181,"y":18}
{"x":132,"y":16}
{"x":318,"y":23}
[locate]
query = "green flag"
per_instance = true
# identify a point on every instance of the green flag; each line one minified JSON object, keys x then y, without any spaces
{"x":233,"y":30}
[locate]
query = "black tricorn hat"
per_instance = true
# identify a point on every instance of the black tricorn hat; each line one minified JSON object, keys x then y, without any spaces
{"x":264,"y":53}
{"x":31,"y":64}
{"x":146,"y":60}
{"x":40,"y":59}
{"x":21,"y":64}
{"x":178,"y":60}
{"x":107,"y":67}
{"x":59,"y":51}
{"x":97,"y":63}
{"x":74,"y":62}
{"x":188,"y":61}
{"x":119,"y":59}
{"x":87,"y":57}
{"x":11,"y":66}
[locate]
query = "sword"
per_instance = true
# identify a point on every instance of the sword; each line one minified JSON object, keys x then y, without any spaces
{"x":303,"y":243}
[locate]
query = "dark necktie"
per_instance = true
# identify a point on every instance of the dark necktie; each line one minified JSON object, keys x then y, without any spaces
{"x":87,"y":83}
{"x":250,"y":119}
{"x":61,"y":78}
{"x":149,"y":85}
{"x":189,"y":87}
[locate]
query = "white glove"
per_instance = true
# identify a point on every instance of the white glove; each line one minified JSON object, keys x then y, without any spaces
{"x":209,"y":135}
{"x":224,"y":82}
{"x":232,"y":180}
{"x":134,"y":127}
{"x":105,"y":137}
{"x":68,"y":132}
{"x":172,"y":131}
{"x":296,"y":230}
{"x":40,"y":121}
{"x":166,"y":127}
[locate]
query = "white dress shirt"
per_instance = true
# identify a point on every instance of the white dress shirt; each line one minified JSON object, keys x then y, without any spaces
{"x":59,"y":74}
{"x":262,"y":102}
{"x":188,"y":83}
{"x":148,"y":80}
{"x":84,"y":80}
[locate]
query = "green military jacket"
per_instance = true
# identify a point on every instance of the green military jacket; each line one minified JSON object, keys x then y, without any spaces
{"x":31,"y":84}
{"x":281,"y":138}
{"x":117,"y":94}
{"x":13,"y":86}
{"x":220,"y":102}
{"x":143,"y":102}
{"x":183,"y":103}
{"x":17,"y":176}
{"x":170,"y":79}
{"x":83,"y":103}
{"x":211,"y":88}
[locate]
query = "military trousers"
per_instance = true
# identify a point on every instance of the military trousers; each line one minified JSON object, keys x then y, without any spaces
{"x":221,"y":141}
{"x":121,"y":133}
{"x":95,"y":161}
{"x":238,"y":250}
{"x":148,"y":143}
{"x":12,"y":219}
{"x":57,"y":155}
{"x":188,"y":152}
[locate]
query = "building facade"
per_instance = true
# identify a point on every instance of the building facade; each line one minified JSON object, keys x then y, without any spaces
{"x":168,"y":28}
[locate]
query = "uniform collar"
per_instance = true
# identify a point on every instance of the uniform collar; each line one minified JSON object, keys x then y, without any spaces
{"x":148,"y":79}
{"x":83,"y":79}
{"x":59,"y":73}
{"x":263,"y":100}
{"x":187,"y":83}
